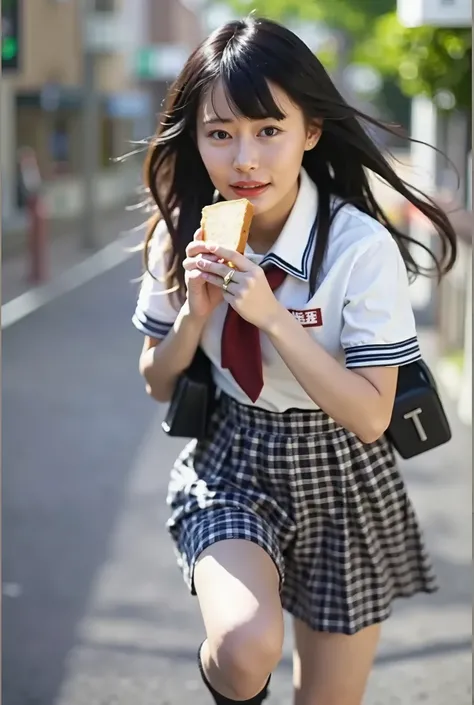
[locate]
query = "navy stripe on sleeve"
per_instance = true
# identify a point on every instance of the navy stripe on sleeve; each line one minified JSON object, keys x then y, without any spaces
{"x":384,"y":354}
{"x":150,"y":326}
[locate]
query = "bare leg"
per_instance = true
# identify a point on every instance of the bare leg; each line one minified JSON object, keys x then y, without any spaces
{"x":237,"y":585}
{"x":332,"y":669}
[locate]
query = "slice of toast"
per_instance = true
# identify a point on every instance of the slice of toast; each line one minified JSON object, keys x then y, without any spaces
{"x":227,"y":223}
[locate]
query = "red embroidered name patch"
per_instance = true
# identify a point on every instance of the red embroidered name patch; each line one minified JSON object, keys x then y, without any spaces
{"x":308,"y":319}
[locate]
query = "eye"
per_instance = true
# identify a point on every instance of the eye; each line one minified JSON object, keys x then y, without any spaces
{"x":219,"y":135}
{"x":270,"y":131}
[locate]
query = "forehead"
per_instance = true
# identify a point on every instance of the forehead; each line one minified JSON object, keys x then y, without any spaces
{"x":215,"y":103}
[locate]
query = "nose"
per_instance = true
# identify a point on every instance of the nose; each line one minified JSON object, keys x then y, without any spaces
{"x":246,"y":156}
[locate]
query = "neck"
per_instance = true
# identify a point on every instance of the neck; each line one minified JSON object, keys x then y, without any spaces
{"x":266,"y":228}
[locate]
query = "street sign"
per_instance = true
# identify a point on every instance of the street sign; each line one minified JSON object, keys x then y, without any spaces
{"x":435,"y":13}
{"x":10,"y":35}
{"x":160,"y":62}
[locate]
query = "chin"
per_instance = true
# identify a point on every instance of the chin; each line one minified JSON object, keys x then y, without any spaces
{"x":258,"y":207}
{"x":263,"y":205}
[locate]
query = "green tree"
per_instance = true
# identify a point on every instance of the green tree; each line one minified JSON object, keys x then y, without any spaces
{"x":428,"y":60}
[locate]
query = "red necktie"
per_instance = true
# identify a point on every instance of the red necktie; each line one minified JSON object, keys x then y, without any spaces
{"x":241,"y":353}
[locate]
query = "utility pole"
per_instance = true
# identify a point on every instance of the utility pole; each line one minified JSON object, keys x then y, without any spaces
{"x":90,"y":130}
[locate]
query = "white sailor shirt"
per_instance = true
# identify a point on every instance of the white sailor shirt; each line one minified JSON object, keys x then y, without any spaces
{"x":360,"y":313}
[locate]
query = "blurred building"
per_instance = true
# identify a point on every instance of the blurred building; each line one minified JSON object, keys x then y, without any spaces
{"x":175,"y":28}
{"x":138,"y":46}
{"x":450,"y":131}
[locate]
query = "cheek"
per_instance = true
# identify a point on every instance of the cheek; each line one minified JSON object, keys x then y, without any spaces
{"x":214,"y":159}
{"x":288,"y":156}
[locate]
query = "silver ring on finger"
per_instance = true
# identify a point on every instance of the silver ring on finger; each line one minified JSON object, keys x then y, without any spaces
{"x":227,"y":279}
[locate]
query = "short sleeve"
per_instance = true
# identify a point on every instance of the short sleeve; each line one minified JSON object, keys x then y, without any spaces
{"x":378,"y":320}
{"x":154,"y":313}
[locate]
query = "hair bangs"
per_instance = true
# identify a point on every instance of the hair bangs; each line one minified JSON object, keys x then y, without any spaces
{"x":248,"y":91}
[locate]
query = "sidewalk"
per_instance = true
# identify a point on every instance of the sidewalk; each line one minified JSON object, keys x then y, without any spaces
{"x":425,"y":655}
{"x":64,"y":248}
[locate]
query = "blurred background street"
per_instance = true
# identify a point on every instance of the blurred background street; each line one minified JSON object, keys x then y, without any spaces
{"x":94,"y":608}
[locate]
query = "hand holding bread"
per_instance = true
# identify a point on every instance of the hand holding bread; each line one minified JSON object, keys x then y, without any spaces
{"x":219,"y":260}
{"x":202,"y":298}
{"x":227,"y":223}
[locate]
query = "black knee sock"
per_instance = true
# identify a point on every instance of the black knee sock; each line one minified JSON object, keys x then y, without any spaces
{"x":222,"y":700}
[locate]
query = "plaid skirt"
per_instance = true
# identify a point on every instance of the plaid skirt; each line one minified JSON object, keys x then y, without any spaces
{"x":332,"y":512}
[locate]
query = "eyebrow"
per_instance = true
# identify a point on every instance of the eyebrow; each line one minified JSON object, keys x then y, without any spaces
{"x":228,"y":121}
{"x":215,"y":120}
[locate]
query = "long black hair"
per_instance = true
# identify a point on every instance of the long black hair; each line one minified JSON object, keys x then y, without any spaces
{"x":248,"y":55}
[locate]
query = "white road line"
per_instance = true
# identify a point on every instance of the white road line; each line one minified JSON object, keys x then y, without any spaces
{"x":100,"y":262}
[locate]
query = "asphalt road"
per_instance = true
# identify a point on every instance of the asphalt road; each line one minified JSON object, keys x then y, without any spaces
{"x":94,"y":609}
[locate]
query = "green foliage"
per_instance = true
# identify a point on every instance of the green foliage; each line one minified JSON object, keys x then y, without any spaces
{"x":351,"y":16}
{"x":426,"y":60}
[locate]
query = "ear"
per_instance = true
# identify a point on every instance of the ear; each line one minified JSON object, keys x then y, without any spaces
{"x":313,"y":136}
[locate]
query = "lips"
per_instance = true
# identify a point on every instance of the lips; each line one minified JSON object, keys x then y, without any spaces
{"x":249,"y":184}
{"x":249,"y":188}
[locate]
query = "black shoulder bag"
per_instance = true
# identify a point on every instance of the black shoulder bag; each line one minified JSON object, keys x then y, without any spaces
{"x":192,"y":402}
{"x":419,"y":422}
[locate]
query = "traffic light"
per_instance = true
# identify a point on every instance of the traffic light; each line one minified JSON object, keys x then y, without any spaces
{"x":10,"y":35}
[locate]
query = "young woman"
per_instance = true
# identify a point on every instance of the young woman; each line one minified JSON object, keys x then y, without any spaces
{"x":294,"y":500}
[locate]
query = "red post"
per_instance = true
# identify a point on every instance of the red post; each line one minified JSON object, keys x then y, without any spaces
{"x":37,"y":239}
{"x":31,"y":183}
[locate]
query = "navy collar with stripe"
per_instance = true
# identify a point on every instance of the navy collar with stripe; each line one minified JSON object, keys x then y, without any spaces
{"x":293,"y":249}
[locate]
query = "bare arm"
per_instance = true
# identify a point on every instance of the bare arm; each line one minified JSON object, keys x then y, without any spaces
{"x":360,"y":400}
{"x":162,"y":361}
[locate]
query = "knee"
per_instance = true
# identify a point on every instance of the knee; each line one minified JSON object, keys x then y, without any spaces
{"x":246,"y":655}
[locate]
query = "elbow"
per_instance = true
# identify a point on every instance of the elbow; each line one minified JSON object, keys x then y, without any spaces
{"x":373,"y":431}
{"x":157,"y":394}
{"x":154,"y":390}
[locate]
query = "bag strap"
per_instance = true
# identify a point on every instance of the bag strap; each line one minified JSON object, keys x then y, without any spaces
{"x":428,"y":374}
